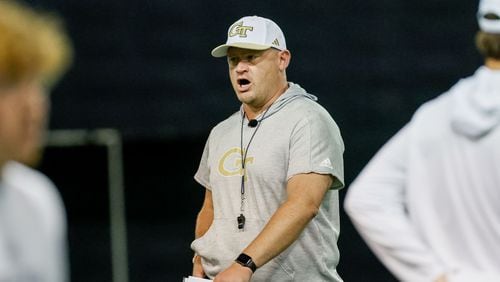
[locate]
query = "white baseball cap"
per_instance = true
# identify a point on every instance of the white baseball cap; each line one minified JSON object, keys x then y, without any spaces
{"x":254,"y":33}
{"x":489,"y":7}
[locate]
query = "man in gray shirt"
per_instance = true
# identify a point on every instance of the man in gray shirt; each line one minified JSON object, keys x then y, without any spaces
{"x":271,"y":172}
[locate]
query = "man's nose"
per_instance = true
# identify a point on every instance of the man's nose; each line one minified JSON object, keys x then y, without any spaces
{"x":242,"y":66}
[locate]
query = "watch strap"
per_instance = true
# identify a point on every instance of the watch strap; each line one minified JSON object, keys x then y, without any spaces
{"x":246,"y":261}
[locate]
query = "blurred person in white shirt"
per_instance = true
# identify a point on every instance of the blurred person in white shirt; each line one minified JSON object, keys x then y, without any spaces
{"x":427,"y":204}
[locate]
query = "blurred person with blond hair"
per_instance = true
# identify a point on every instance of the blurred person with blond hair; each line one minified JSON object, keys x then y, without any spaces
{"x":428,"y":203}
{"x":34,"y":53}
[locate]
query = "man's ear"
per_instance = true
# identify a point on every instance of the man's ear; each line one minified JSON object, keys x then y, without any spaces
{"x":284,"y":59}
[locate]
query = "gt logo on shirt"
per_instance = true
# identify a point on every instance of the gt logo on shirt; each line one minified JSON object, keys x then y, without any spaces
{"x":230,"y":162}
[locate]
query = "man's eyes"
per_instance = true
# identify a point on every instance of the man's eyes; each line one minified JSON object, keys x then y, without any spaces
{"x":248,"y":58}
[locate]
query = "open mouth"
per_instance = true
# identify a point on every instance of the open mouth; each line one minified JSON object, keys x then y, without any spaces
{"x":243,"y":82}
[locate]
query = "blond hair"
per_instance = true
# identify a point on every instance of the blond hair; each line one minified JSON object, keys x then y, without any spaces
{"x":32,"y":45}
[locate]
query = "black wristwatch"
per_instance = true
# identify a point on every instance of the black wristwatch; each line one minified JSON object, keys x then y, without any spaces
{"x":246,"y":260}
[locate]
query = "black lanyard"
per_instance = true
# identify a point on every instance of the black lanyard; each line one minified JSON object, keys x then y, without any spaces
{"x":241,"y":218}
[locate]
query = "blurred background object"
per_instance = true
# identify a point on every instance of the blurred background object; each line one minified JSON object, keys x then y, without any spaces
{"x":144,"y":68}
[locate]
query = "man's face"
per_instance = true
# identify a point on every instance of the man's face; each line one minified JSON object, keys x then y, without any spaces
{"x":23,"y":119}
{"x":255,"y":75}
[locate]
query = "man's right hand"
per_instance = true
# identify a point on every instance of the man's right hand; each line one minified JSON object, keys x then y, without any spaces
{"x":197,"y":267}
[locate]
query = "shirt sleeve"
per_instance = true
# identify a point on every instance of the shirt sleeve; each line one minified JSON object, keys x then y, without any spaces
{"x":202,"y":175}
{"x":376,"y":204}
{"x":316,"y":146}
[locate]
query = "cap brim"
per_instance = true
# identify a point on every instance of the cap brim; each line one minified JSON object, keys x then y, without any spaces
{"x":221,"y":51}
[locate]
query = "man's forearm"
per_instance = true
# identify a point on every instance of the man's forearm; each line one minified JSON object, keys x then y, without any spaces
{"x":284,"y":227}
{"x":205,"y":216}
{"x":305,"y":195}
{"x":203,"y":222}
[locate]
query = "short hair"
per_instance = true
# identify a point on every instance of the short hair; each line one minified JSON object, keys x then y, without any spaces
{"x":33,"y":44}
{"x":488,"y":44}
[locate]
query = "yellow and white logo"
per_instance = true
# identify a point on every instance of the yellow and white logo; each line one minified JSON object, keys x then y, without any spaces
{"x":239,"y":29}
{"x":230,"y":162}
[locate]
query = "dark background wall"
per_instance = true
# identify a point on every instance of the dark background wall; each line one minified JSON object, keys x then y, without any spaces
{"x":144,"y":68}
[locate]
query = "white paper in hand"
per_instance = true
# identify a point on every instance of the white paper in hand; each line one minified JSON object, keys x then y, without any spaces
{"x":195,"y":279}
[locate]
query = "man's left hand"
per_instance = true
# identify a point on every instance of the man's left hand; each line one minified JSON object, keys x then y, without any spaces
{"x":234,"y":273}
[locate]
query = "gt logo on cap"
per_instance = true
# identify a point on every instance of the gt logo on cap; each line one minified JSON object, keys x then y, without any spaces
{"x":239,"y":29}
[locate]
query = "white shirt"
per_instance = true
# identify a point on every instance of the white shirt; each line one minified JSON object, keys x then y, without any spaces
{"x":32,"y":227}
{"x":428,"y":203}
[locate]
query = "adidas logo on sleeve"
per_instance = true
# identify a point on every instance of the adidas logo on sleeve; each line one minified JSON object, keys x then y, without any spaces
{"x":326,"y":163}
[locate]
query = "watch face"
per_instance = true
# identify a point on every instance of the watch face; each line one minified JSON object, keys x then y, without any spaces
{"x":246,"y":261}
